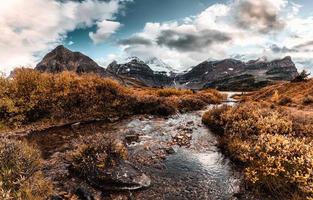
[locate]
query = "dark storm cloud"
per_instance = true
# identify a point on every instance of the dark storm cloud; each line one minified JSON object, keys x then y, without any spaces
{"x":136,"y":40}
{"x":258,"y":15}
{"x":191,"y":41}
{"x":277,"y":49}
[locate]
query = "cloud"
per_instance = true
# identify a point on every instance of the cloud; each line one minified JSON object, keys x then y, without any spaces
{"x":260,"y":15}
{"x":105,"y":30}
{"x":252,"y":28}
{"x":277,"y":49}
{"x":304,"y":45}
{"x":197,"y":41}
{"x":136,"y":40}
{"x":33,"y":27}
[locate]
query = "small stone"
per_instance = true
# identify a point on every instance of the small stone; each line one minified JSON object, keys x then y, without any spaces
{"x":170,"y":150}
{"x":132,"y":138}
{"x":84,"y":194}
{"x":57,"y":197}
{"x":75,"y":126}
{"x":190,"y":123}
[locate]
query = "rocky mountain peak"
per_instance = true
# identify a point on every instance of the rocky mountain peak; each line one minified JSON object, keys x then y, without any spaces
{"x":62,"y":59}
{"x":226,"y":74}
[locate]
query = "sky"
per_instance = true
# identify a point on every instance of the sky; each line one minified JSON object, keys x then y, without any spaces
{"x":182,"y":33}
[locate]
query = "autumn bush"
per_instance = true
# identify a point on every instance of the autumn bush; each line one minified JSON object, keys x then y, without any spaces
{"x":20,"y":172}
{"x":213,"y":118}
{"x":285,"y":93}
{"x":29,"y":96}
{"x":94,"y":154}
{"x":274,"y":147}
{"x":167,"y":92}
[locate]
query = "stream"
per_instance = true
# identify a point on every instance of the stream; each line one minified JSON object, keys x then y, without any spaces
{"x":178,"y":153}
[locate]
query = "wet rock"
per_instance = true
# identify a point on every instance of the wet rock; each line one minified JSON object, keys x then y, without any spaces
{"x":132,"y":138}
{"x":122,"y":176}
{"x":190,"y":123}
{"x":170,"y":150}
{"x":83,"y":194}
{"x":75,"y":126}
{"x":182,"y":139}
{"x":56,"y":197}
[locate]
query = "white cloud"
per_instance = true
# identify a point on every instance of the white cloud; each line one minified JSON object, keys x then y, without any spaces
{"x":105,"y":30}
{"x":33,"y":26}
{"x":252,"y":25}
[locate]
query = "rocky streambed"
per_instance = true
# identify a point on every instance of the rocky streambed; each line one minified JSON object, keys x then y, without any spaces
{"x":178,"y":154}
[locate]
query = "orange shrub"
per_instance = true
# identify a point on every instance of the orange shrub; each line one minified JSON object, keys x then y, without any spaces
{"x":275,"y":147}
{"x":30,"y":96}
{"x":167,"y":92}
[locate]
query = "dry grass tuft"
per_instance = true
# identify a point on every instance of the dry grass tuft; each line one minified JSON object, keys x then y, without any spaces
{"x":96,"y":153}
{"x":20,"y":172}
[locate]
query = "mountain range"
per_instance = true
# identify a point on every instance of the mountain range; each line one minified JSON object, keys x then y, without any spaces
{"x":227,"y":74}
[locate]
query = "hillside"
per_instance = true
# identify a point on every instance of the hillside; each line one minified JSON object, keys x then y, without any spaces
{"x":300,"y":93}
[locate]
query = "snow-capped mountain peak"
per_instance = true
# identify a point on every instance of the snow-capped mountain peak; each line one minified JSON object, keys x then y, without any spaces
{"x":158,"y":65}
{"x":133,"y":58}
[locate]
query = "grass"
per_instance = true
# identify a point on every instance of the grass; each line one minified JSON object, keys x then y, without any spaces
{"x":20,"y":172}
{"x":270,"y":136}
{"x":30,"y":97}
{"x":299,"y":93}
{"x":94,"y":154}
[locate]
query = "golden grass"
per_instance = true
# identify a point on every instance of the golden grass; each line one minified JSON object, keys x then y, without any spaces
{"x":20,"y":172}
{"x":299,"y":93}
{"x":274,"y":145}
{"x":29,"y":97}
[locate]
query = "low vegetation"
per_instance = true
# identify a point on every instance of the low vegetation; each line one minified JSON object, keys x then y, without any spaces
{"x":271,"y":136}
{"x":20,"y":172}
{"x":294,"y":94}
{"x":94,"y":154}
{"x":30,"y":96}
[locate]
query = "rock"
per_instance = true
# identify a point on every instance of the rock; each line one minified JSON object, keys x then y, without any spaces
{"x":170,"y":150}
{"x":62,"y":59}
{"x":120,"y":177}
{"x":56,"y":197}
{"x":190,"y":123}
{"x":75,"y":126}
{"x":83,"y":194}
{"x":132,"y":138}
{"x":182,"y":139}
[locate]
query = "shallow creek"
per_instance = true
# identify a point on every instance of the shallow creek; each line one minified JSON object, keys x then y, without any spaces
{"x":178,"y":153}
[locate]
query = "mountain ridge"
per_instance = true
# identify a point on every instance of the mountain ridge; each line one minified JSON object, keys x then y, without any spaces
{"x":226,"y":74}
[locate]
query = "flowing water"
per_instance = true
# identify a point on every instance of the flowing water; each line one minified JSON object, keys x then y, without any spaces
{"x":179,"y":154}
